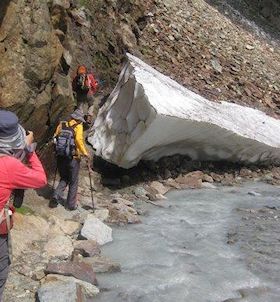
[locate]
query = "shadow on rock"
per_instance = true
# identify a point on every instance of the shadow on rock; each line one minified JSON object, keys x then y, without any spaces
{"x":115,"y":177}
{"x":3,"y":8}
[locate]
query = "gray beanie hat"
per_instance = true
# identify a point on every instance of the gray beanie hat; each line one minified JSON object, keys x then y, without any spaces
{"x":12,"y":134}
{"x":78,"y":115}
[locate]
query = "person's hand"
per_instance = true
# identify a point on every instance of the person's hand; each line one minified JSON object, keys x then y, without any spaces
{"x":29,"y":138}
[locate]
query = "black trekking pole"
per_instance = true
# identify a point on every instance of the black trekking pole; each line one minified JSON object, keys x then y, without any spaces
{"x":55,"y":173}
{"x":90,"y":183}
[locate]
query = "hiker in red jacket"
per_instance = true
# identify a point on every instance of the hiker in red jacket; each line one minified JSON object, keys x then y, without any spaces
{"x":14,"y":175}
{"x":85,"y":86}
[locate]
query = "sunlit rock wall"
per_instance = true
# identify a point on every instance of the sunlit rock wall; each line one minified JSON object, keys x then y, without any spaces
{"x":149,"y":116}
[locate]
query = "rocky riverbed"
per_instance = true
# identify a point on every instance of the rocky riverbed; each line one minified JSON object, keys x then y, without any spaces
{"x":57,"y":250}
{"x":209,"y":245}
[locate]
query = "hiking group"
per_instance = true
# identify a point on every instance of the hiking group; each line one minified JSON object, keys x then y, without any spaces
{"x":20,"y":167}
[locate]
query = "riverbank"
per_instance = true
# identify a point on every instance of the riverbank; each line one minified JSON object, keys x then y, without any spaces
{"x":204,"y":245}
{"x":53,"y":236}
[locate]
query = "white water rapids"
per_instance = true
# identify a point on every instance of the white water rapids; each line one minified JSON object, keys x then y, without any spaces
{"x":207,"y":246}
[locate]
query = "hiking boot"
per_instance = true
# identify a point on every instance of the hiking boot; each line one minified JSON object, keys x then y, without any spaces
{"x":53,"y":203}
{"x":72,"y":208}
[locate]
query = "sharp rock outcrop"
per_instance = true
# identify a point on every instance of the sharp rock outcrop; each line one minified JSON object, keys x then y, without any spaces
{"x":148,"y":116}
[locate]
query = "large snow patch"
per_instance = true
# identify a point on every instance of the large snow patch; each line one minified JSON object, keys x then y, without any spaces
{"x":148,"y":116}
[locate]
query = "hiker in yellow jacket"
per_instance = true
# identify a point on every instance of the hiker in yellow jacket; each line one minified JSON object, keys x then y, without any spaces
{"x":70,"y":148}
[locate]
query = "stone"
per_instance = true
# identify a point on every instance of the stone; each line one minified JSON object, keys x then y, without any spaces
{"x":140,"y":192}
{"x":96,"y":230}
{"x":216,"y":65}
{"x":38,"y":275}
{"x":80,"y":17}
{"x":122,"y":214}
{"x":123,"y":201}
{"x":161,"y":189}
{"x":101,"y":214}
{"x":207,"y":178}
{"x":63,"y":3}
{"x":68,"y":227}
{"x":59,"y":246}
{"x":87,"y":248}
{"x":102,"y":264}
{"x":79,"y":270}
{"x":172,"y":183}
{"x":60,"y":291}
{"x":191,"y":180}
{"x":89,"y":289}
{"x":149,"y":101}
{"x":208,"y":185}
{"x":253,"y":193}
{"x":31,"y":228}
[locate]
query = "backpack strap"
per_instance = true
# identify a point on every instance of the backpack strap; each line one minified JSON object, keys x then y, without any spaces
{"x":5,"y":213}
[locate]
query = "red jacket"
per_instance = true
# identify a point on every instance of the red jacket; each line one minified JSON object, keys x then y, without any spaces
{"x":92,"y":83}
{"x":15,"y":175}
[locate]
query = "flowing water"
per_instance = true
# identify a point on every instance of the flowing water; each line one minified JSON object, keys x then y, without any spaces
{"x":207,"y":245}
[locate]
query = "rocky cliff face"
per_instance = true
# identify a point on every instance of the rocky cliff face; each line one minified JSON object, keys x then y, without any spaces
{"x":42,"y":42}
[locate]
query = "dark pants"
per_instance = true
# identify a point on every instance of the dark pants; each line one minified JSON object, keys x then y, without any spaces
{"x":4,"y":262}
{"x":85,"y":103}
{"x":69,"y":176}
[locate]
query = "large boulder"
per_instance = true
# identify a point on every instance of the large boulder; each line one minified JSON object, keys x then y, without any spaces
{"x":149,"y":116}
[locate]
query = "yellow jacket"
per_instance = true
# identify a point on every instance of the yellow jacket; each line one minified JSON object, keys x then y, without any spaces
{"x":79,"y":138}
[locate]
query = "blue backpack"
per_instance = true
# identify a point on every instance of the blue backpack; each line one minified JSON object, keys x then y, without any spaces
{"x":65,"y":141}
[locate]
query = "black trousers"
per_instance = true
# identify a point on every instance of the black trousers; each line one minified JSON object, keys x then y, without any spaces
{"x":4,"y":262}
{"x":69,"y":176}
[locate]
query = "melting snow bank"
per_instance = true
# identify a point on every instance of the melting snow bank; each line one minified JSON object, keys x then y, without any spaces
{"x":148,"y":116}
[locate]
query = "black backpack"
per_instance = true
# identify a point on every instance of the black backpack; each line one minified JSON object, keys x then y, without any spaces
{"x":82,"y":82}
{"x":65,"y":141}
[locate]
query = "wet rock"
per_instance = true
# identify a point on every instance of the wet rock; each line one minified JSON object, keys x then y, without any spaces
{"x":173,"y":183}
{"x":208,"y":185}
{"x":81,"y":271}
{"x":228,"y":179}
{"x":191,"y":180}
{"x":216,"y":177}
{"x":87,"y":248}
{"x":96,"y":230}
{"x":120,"y":213}
{"x":207,"y":178}
{"x":102,"y":264}
{"x":253,"y":193}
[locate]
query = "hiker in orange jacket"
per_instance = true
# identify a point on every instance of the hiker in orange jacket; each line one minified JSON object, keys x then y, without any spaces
{"x":85,"y":86}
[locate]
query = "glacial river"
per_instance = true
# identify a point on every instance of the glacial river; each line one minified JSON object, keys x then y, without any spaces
{"x":205,"y":246}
